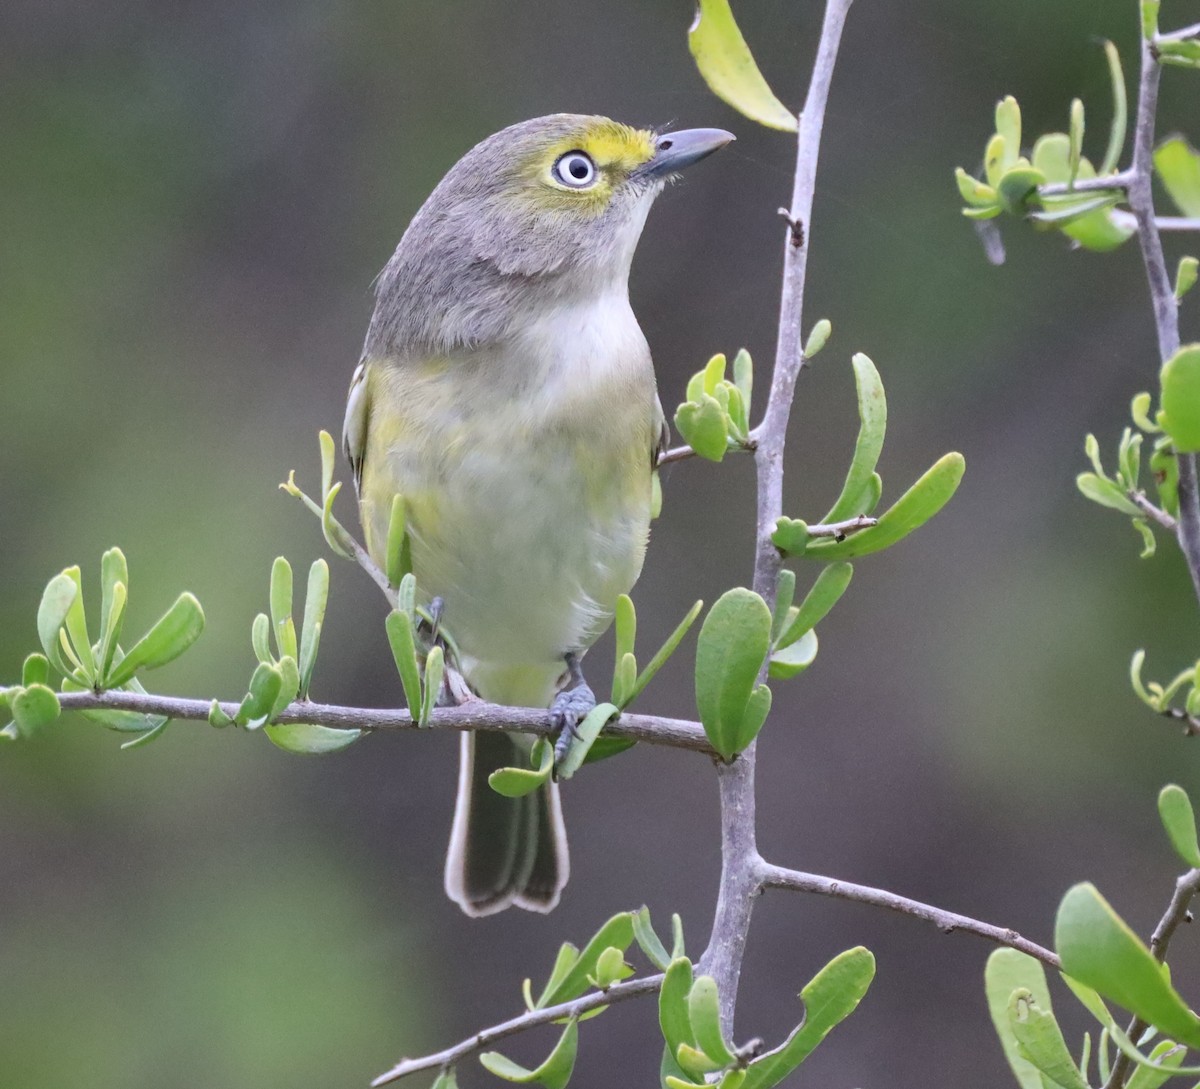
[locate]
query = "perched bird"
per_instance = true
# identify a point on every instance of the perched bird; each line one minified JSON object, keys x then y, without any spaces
{"x":506,"y":391}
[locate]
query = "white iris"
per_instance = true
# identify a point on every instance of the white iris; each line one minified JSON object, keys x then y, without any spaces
{"x":575,"y":169}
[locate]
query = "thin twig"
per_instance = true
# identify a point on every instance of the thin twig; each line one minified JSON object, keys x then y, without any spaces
{"x":1177,"y":223}
{"x":1192,"y":31}
{"x":840,"y":530}
{"x":1155,"y":514}
{"x":618,"y":992}
{"x":683,"y":453}
{"x":1121,"y":180}
{"x":1191,"y":724}
{"x":739,"y":851}
{"x":777,"y":877}
{"x":473,"y":715}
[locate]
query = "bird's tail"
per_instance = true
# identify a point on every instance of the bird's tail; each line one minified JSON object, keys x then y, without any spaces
{"x":503,"y":851}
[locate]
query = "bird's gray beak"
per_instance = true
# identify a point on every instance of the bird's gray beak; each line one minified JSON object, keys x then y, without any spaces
{"x":675,"y":150}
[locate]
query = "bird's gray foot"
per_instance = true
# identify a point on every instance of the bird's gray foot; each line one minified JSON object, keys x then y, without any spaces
{"x":570,"y":707}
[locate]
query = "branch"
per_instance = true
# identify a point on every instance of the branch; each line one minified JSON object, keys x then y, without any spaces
{"x":1177,"y":223}
{"x":683,"y":453}
{"x":1155,"y":514}
{"x":1122,"y":180}
{"x":1192,"y":31}
{"x":740,"y":860}
{"x":1177,"y":912}
{"x":1162,"y":293}
{"x":777,"y":877}
{"x":841,"y":530}
{"x":473,"y":715}
{"x":1191,"y":724}
{"x":618,"y":992}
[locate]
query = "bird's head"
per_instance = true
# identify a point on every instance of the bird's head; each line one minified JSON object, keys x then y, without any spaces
{"x":548,"y":207}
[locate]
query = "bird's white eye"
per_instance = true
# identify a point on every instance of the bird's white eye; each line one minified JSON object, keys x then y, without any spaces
{"x":575,"y":169}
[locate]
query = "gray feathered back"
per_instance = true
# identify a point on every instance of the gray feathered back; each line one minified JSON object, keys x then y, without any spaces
{"x":493,"y":230}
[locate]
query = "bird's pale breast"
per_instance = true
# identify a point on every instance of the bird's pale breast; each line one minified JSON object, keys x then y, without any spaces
{"x":527,"y":469}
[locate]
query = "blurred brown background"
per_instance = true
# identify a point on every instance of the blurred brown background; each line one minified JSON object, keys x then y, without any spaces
{"x":194,"y":198}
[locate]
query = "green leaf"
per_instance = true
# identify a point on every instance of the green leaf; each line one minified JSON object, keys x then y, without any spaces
{"x":1041,"y":1040}
{"x":1076,"y":129}
{"x":76,"y":627}
{"x":281,"y":608}
{"x":568,"y":954}
{"x":610,"y":968}
{"x":817,"y":338}
{"x":554,"y":1073}
{"x":1178,"y":165}
{"x":605,"y":746}
{"x":617,"y":933}
{"x":35,"y":670}
{"x":832,"y":995}
{"x":1186,"y":275}
{"x":624,"y":678}
{"x":265,"y":684}
{"x":1168,"y":1056}
{"x":1009,"y":971}
{"x":703,"y":427}
{"x":973,"y":191}
{"x":517,"y":782}
{"x":57,"y":599}
{"x":677,"y":949}
{"x":1017,"y":186}
{"x":1175,"y":810}
{"x":402,"y":640}
{"x":217,"y":717}
{"x":33,"y":707}
{"x":289,"y":684}
{"x":121,"y":721}
{"x":672,"y":1076}
{"x":1150,"y":19}
{"x":1149,"y":545}
{"x":872,"y":415}
{"x":649,"y":941}
{"x":585,"y":736}
{"x":1180,"y":399}
{"x":113,"y":618}
{"x":1059,"y":213}
{"x":734,"y":641}
{"x":728,"y":67}
{"x":625,"y":626}
{"x":785,"y":594}
{"x":310,"y":740}
{"x":794,"y":658}
{"x":435,"y":669}
{"x":1008,"y":127}
{"x":704,"y":1012}
{"x":445,"y":1080}
{"x":315,"y":599}
{"x":1120,"y":118}
{"x":1185,"y":54}
{"x":831,"y":583}
{"x":912,"y":510}
{"x":694,"y":1062}
{"x":151,"y":735}
{"x":178,"y":628}
{"x":331,"y":527}
{"x":1105,"y":492}
{"x":673,"y":1016}
{"x":743,"y":375}
{"x":791,"y":536}
{"x":1098,"y":948}
{"x":664,"y":652}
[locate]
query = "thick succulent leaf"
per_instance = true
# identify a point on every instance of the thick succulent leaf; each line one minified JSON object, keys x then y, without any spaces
{"x":648,"y":940}
{"x":33,"y":707}
{"x":1178,"y":165}
{"x":554,"y":1073}
{"x":402,"y":640}
{"x":829,"y":998}
{"x":517,"y":782}
{"x":673,"y":1015}
{"x":1180,"y":415}
{"x":734,"y":641}
{"x":831,"y":583}
{"x":616,"y":933}
{"x":1041,"y":1040}
{"x":1009,"y":971}
{"x":1175,"y":809}
{"x":911,"y":511}
{"x":793,"y":659}
{"x":704,"y":1012}
{"x":178,"y":628}
{"x":57,"y":599}
{"x":704,"y":427}
{"x":310,"y":740}
{"x":728,"y":67}
{"x":1100,"y":950}
{"x":872,"y":415}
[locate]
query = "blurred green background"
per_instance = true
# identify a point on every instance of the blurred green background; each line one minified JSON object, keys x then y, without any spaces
{"x":194,"y":198}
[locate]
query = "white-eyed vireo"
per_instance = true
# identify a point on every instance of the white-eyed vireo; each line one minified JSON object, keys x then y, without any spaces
{"x":506,"y":391}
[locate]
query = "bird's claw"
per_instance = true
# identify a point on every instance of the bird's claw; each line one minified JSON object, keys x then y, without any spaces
{"x":568,"y":710}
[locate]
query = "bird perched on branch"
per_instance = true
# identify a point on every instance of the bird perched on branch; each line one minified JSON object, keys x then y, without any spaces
{"x":506,"y":391}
